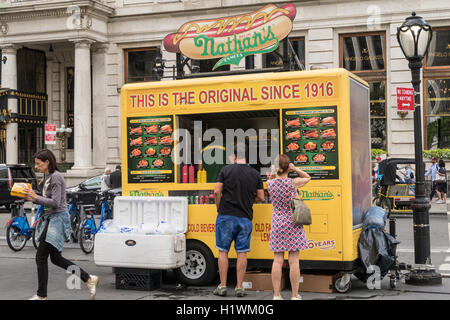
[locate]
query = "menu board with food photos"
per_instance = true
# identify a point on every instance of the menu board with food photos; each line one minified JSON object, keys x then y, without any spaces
{"x":150,"y":148}
{"x":310,"y":140}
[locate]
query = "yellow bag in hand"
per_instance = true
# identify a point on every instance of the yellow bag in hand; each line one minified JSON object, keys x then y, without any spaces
{"x":20,"y":189}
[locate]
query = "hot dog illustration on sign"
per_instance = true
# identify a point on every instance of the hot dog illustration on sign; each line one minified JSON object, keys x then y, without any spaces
{"x":233,"y":38}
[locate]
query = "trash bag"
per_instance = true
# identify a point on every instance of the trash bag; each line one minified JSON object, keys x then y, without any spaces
{"x":375,"y":218}
{"x":375,"y":246}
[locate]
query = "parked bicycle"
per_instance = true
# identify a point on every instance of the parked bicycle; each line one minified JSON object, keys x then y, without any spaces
{"x":89,"y":227}
{"x":19,"y":230}
{"x":75,"y":219}
{"x":77,"y":201}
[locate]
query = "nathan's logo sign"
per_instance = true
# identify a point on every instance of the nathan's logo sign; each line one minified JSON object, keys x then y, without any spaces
{"x":233,"y":38}
{"x":316,"y":195}
{"x":145,"y":193}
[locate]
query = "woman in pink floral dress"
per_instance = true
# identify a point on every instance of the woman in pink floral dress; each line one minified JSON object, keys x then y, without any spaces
{"x":284,"y":234}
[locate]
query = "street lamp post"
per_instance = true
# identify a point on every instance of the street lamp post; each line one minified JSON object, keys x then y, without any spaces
{"x":414,"y":37}
{"x":63,"y":133}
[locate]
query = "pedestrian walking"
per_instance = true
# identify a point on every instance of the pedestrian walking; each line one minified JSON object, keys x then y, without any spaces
{"x":441,"y":182}
{"x":115,"y":178}
{"x":238,"y":187}
{"x":374,"y":179}
{"x":433,"y":170}
{"x":284,"y":234}
{"x":57,"y":227}
{"x":105,"y":183}
{"x":379,"y":176}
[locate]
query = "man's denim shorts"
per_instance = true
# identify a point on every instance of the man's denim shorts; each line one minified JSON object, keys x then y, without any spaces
{"x":229,"y":228}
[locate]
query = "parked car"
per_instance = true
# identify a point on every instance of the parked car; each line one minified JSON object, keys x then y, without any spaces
{"x":11,"y":173}
{"x":91,"y":184}
{"x":87,"y":190}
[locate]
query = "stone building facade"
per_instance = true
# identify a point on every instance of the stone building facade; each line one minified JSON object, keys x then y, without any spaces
{"x":89,"y":49}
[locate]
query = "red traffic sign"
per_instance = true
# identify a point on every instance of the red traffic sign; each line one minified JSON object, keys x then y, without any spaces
{"x":405,"y":99}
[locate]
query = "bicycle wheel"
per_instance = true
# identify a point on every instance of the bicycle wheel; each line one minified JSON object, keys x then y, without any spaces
{"x":75,"y":224}
{"x":35,"y":242}
{"x":86,"y":237}
{"x":15,"y":240}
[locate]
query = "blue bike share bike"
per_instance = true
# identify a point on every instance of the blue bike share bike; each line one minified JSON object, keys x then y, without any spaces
{"x":18,"y":229}
{"x":88,"y":228}
{"x":77,"y":203}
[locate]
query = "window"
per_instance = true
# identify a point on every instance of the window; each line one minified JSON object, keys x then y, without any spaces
{"x":437,"y":113}
{"x":275,"y":58}
{"x":364,"y":55}
{"x":436,"y":74}
{"x":250,"y":62}
{"x":378,"y":115}
{"x":363,"y":52}
{"x":439,"y":51}
{"x":93,"y":182}
{"x":31,"y":71}
{"x":207,"y":65}
{"x":139,"y":64}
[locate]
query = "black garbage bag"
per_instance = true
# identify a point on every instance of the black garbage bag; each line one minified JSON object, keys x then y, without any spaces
{"x":376,"y":248}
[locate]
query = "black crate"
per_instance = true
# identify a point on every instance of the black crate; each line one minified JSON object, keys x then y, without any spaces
{"x":138,"y":279}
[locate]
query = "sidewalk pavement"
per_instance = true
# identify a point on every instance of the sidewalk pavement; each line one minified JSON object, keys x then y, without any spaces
{"x":18,"y":274}
{"x":439,"y":208}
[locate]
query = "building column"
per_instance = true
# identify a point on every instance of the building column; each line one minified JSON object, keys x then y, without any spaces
{"x":9,"y":81}
{"x":82,"y":112}
{"x":99,"y":92}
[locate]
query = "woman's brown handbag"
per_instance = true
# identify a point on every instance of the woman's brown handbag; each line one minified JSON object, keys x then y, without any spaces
{"x":301,"y":214}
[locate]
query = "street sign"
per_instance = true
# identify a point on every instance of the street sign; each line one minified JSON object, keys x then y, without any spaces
{"x":50,"y":133}
{"x":405,"y":99}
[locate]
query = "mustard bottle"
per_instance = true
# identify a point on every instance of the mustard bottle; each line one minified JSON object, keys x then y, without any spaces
{"x":204,"y":176}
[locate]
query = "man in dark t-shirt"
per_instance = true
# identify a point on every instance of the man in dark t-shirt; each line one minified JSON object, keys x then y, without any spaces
{"x":238,"y":187}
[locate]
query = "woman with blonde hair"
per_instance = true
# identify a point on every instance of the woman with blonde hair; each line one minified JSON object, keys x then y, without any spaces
{"x":284,"y":234}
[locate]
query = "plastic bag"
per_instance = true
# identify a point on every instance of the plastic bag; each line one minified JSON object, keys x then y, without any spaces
{"x":375,"y":218}
{"x":147,"y":228}
{"x":127,"y":229}
{"x":165,"y":228}
{"x":108,"y":226}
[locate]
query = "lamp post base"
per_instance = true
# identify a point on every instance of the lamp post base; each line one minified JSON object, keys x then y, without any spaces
{"x":423,"y":275}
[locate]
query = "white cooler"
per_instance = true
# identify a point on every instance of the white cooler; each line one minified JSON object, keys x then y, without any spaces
{"x":152,"y":251}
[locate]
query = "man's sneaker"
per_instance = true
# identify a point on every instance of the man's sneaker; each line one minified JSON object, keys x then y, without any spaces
{"x":220,"y":291}
{"x":277,"y":298}
{"x":36,"y":297}
{"x":298,"y":297}
{"x":239,"y":292}
{"x":92,"y":286}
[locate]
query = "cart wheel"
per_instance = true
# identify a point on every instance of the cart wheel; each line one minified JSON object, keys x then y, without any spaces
{"x":341,"y":286}
{"x":200,"y":267}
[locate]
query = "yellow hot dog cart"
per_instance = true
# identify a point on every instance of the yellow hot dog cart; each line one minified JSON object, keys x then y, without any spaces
{"x":320,"y":119}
